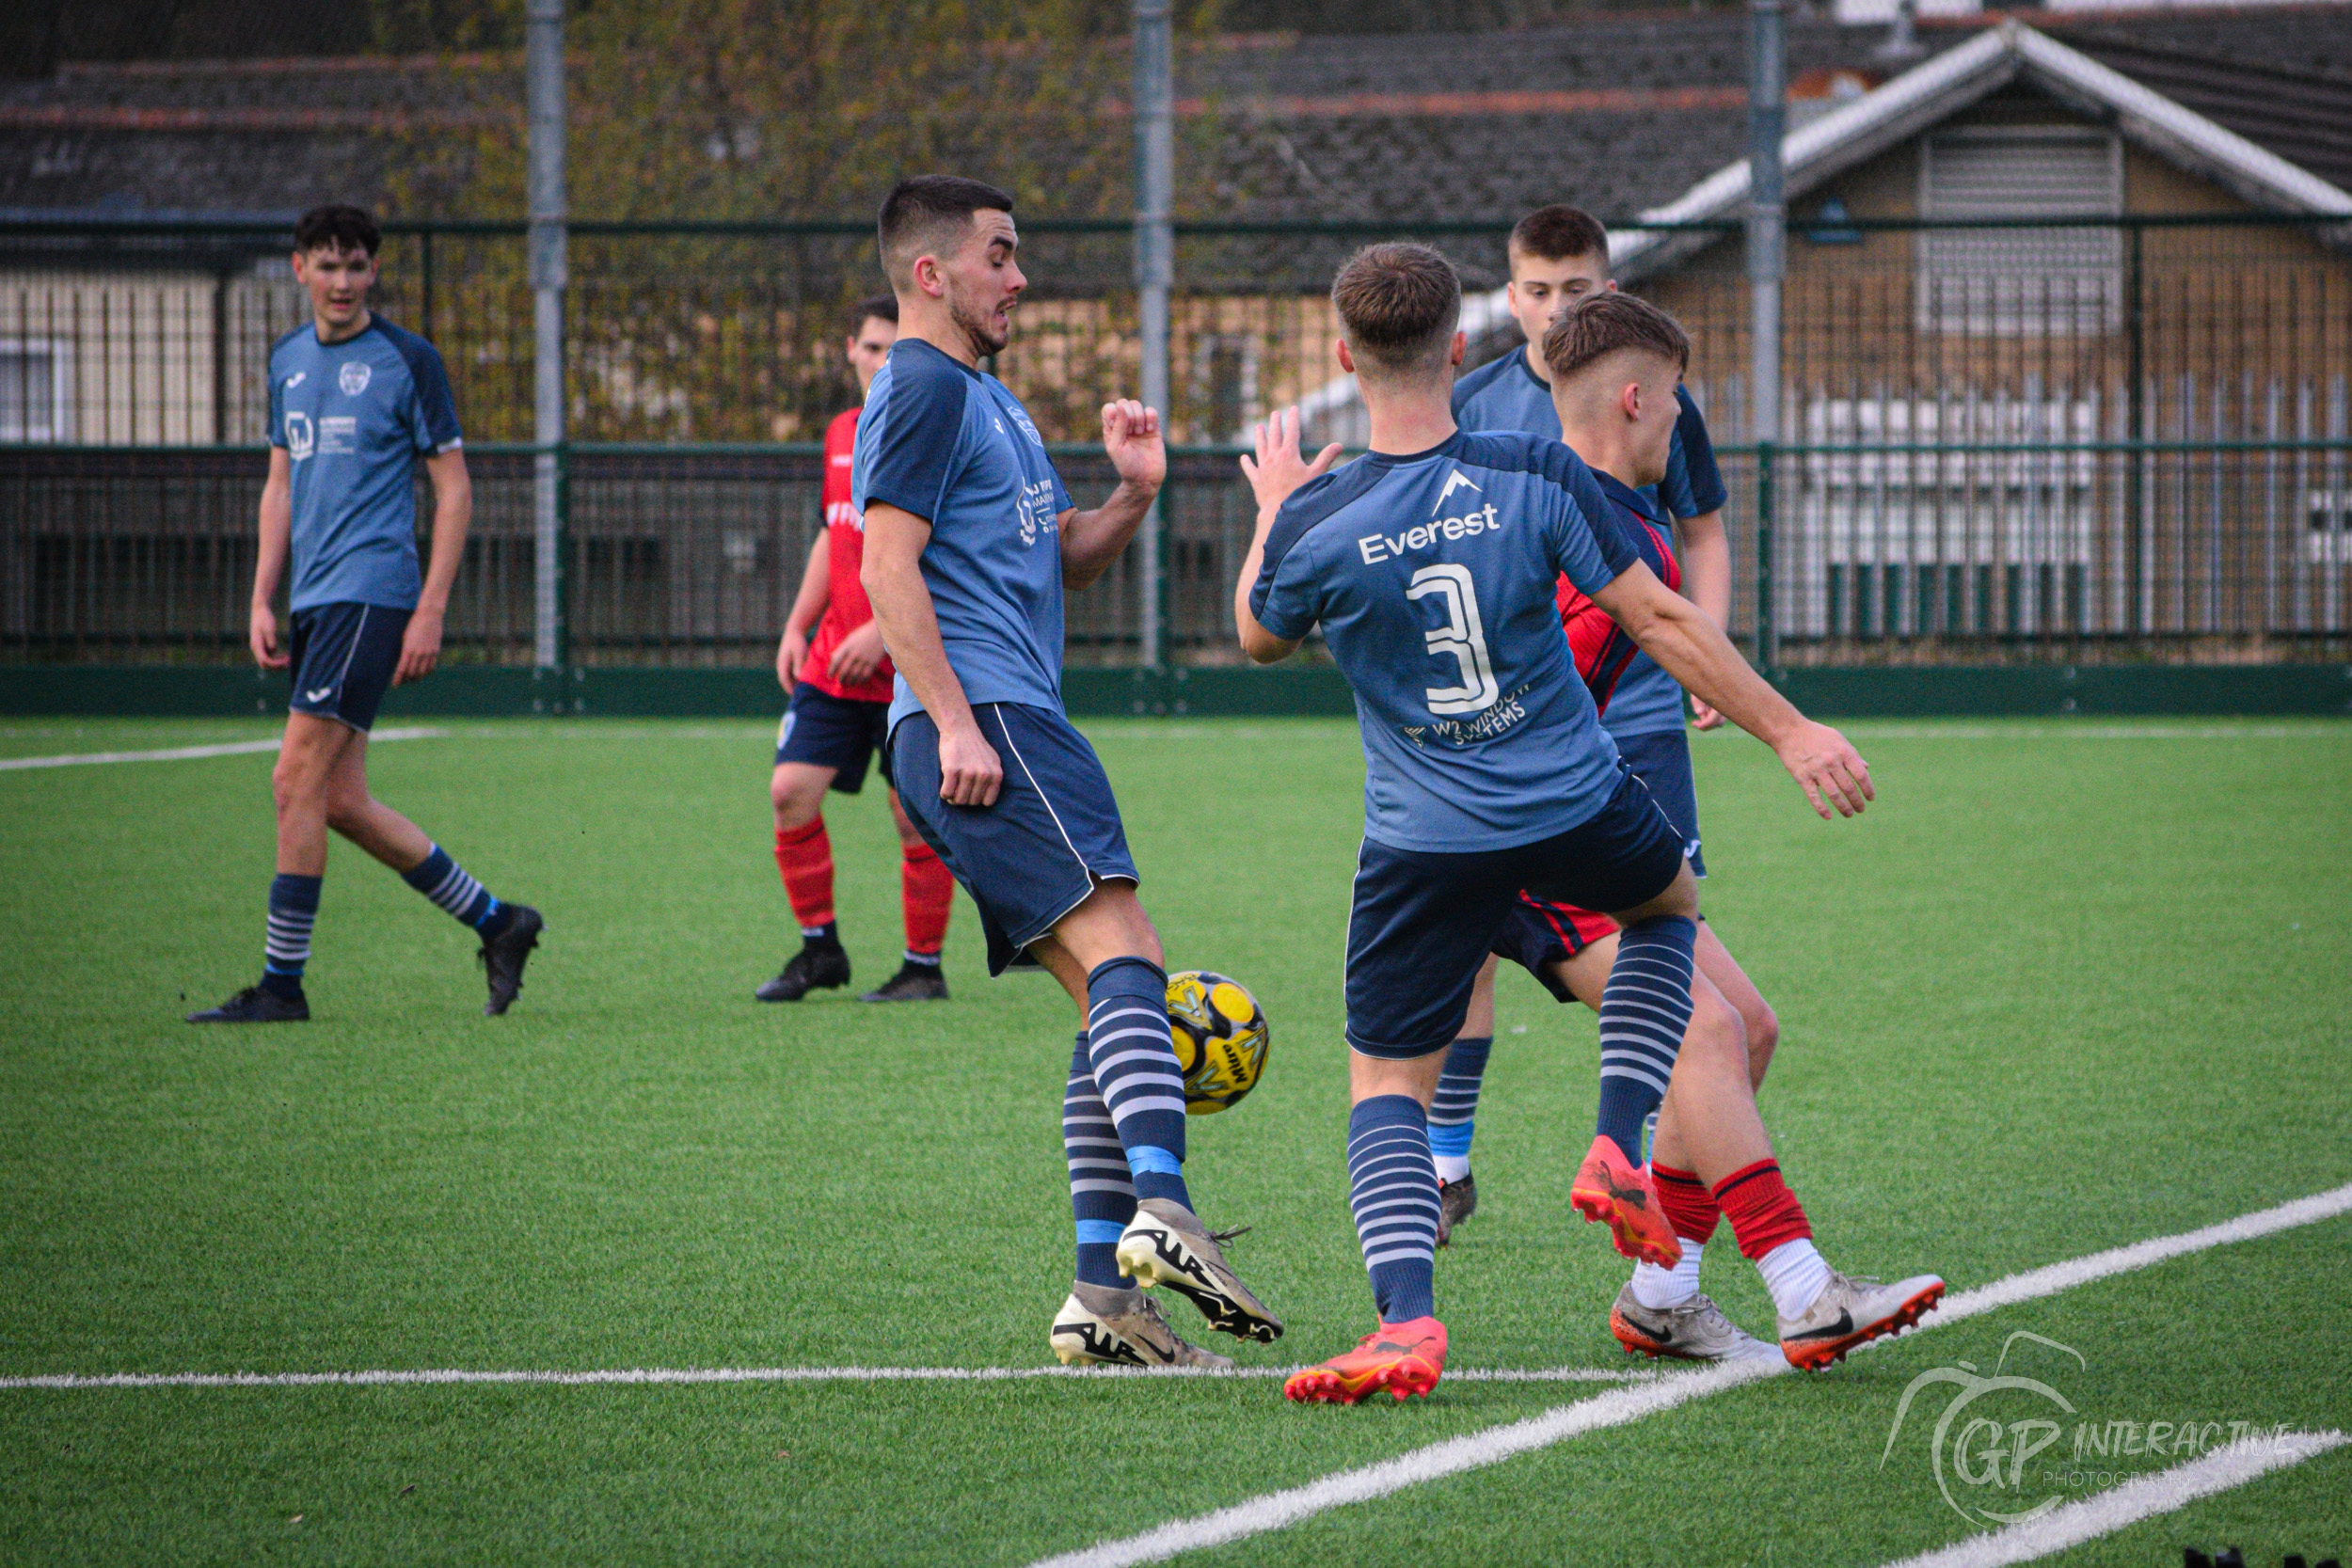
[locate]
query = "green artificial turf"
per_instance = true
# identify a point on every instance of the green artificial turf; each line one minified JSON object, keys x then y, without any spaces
{"x":2068,"y":986}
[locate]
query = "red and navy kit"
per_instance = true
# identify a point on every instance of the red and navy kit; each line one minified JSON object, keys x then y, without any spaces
{"x":846,"y":607}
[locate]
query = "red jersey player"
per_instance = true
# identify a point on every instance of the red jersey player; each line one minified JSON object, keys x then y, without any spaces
{"x":832,"y":661}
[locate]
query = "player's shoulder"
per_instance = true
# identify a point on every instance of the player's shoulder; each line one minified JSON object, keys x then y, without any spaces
{"x":1319,"y":501}
{"x":920,"y":382}
{"x":416,"y":352}
{"x":288,"y":344}
{"x":1519,"y":452}
{"x":1477,"y":381}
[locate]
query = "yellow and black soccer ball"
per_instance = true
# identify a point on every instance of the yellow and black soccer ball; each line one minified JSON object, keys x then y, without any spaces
{"x":1220,"y":1035}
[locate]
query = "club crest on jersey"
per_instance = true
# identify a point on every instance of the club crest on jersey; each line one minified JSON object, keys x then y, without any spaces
{"x":1457,"y":480}
{"x":1027,"y":429}
{"x":1376,"y":547}
{"x":353,"y":378}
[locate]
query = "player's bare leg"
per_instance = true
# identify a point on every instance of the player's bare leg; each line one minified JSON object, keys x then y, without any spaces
{"x":1453,"y":1113}
{"x":805,"y":858}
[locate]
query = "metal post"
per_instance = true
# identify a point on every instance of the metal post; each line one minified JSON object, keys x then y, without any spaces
{"x":1155,"y":181}
{"x":544,"y":90}
{"x":2137,"y":555}
{"x":1768,"y":222}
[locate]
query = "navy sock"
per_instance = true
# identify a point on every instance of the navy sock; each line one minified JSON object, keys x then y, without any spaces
{"x":1454,"y":1112}
{"x":447,"y":883}
{"x":1643,"y":1010}
{"x":1136,"y":1070}
{"x":1102,"y":1196}
{"x":294,"y":908}
{"x":1392,"y":1186}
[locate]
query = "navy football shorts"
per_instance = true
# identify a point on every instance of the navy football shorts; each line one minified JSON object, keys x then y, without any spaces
{"x":1037,"y":853}
{"x":1662,"y":760}
{"x":344,"y":659}
{"x":839,"y":732}
{"x":1423,"y":924}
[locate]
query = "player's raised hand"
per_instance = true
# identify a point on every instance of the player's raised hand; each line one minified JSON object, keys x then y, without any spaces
{"x":1827,"y":766}
{"x":1278,"y":470}
{"x":970,"y":771}
{"x":1131,"y":435}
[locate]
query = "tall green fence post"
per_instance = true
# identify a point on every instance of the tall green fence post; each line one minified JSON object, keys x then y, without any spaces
{"x":1767,"y":620}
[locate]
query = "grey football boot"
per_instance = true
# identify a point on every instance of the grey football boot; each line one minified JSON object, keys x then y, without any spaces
{"x":1692,"y":1330}
{"x":1166,"y":1244}
{"x":1101,"y":1326}
{"x":1849,"y":1312}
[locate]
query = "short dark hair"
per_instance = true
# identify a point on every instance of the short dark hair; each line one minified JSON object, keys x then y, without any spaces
{"x":339,"y":227}
{"x":883,"y":306}
{"x":1560,"y":233}
{"x":921,"y":214}
{"x":1398,"y":304}
{"x":1601,"y":325}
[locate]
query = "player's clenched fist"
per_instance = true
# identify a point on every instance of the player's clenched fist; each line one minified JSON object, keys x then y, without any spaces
{"x":1131,"y":436}
{"x":970,"y":772}
{"x":1827,"y":766}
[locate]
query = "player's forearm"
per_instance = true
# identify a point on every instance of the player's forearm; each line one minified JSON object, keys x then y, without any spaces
{"x":1707,"y":564}
{"x":277,"y":532}
{"x":1090,"y":541}
{"x":1693,"y":650}
{"x":452,"y":514}
{"x":808,"y":605}
{"x":1259,"y":645}
{"x":910,"y":629}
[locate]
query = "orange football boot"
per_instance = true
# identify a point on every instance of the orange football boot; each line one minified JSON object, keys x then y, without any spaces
{"x":1612,"y":1190}
{"x":1404,"y":1359}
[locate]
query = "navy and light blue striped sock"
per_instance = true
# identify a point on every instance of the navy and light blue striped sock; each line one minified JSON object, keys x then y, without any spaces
{"x":293,"y":908}
{"x":448,"y":885}
{"x":1136,"y":1071}
{"x":1454,"y":1112}
{"x":1643,"y":1010}
{"x":1102,"y":1196}
{"x":1392,"y":1186}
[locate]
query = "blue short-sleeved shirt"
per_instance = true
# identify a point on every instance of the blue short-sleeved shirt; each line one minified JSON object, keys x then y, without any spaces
{"x":1504,"y":394}
{"x":1433,"y":576}
{"x":953,"y":447}
{"x":353,"y":417}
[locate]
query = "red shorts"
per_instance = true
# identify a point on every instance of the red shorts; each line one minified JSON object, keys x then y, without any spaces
{"x":1540,"y":934}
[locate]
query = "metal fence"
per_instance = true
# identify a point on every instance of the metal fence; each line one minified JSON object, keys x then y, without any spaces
{"x":2057,"y":439}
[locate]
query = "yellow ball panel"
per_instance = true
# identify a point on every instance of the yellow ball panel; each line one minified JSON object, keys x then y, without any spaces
{"x":1234,"y":1001}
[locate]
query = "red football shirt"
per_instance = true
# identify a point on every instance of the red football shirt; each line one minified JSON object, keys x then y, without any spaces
{"x":1601,"y":647}
{"x":846,"y":608}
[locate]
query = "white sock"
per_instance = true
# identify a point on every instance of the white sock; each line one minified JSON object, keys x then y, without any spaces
{"x":1794,"y":1273}
{"x":1659,"y":1289}
{"x":1452,"y":1168}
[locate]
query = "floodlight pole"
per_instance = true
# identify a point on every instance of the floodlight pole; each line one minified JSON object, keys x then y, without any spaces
{"x":1156,"y":182}
{"x":1766,"y":225}
{"x":543,"y":88}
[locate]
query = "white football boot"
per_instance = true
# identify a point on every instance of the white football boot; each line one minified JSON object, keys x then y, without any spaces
{"x":1102,"y":1325}
{"x":1849,"y":1312}
{"x":1692,"y":1330}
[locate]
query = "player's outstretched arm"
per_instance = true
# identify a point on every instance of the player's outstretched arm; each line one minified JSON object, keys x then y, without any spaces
{"x":1705,"y":552}
{"x":1274,"y":471}
{"x":452,"y":514}
{"x":269,"y":566}
{"x":1678,"y":635}
{"x":1090,"y":541}
{"x":970,"y":772}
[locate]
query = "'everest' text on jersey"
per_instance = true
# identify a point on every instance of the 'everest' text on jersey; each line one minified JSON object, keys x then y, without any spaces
{"x":352,"y":416}
{"x":1433,"y":578}
{"x":846,"y":607}
{"x":952,"y":446}
{"x":1503,"y":395}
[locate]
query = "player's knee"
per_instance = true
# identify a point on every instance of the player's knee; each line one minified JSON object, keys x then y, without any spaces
{"x":347,"y":810}
{"x":1763,"y":1033}
{"x":796,"y":807}
{"x":1717,"y":1040}
{"x":294,"y":782}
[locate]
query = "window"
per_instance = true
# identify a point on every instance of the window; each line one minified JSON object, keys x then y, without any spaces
{"x":2021,"y":282}
{"x":35,"y":377}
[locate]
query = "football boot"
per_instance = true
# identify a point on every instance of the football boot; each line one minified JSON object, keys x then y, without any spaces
{"x":912,"y":983}
{"x":1612,"y":1190}
{"x":257,"y":1004}
{"x":1456,"y":1202}
{"x":1849,"y":1312}
{"x":1103,"y":1325}
{"x":1166,"y":1244}
{"x":504,"y":956}
{"x":1404,"y":1359}
{"x":1692,"y":1330}
{"x":819,"y":966}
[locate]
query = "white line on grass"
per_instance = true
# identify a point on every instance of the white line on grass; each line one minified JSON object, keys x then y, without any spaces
{"x":2092,"y":730}
{"x":2144,"y":1497}
{"x":1278,"y":1509}
{"x":737,"y":1374}
{"x":186,"y":753}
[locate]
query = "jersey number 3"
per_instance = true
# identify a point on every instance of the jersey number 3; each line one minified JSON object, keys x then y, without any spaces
{"x":1461,"y":636}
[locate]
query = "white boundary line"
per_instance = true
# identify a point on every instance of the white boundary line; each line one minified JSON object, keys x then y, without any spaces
{"x":398,"y":1377}
{"x":1278,"y":1509}
{"x":187,"y":753}
{"x":2142,"y":1498}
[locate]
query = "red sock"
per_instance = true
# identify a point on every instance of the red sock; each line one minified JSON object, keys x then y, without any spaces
{"x":804,"y":855}
{"x":1691,"y":1208}
{"x":927,"y":891}
{"x":1762,"y":1210}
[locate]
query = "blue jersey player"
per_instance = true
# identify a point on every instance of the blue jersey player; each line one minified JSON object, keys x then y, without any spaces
{"x":1430,"y":564}
{"x":970,"y":542}
{"x":353,"y":404}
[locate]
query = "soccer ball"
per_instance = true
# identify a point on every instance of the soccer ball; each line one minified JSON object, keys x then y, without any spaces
{"x":1220,"y":1035}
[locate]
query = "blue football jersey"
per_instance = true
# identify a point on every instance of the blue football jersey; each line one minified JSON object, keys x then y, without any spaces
{"x":1504,"y":394}
{"x":952,"y":446}
{"x":353,"y":417}
{"x":1433,"y":577}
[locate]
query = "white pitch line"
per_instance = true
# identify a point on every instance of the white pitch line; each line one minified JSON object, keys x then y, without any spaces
{"x":1866,"y":729}
{"x":186,"y":753}
{"x":2143,"y":1497}
{"x":395,"y":1377}
{"x":1278,"y":1509}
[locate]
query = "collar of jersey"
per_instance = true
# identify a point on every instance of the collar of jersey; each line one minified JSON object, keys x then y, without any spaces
{"x":1527,"y":369}
{"x":1397,"y":460}
{"x":934,"y":349}
{"x":321,"y":344}
{"x":1636,"y":501}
